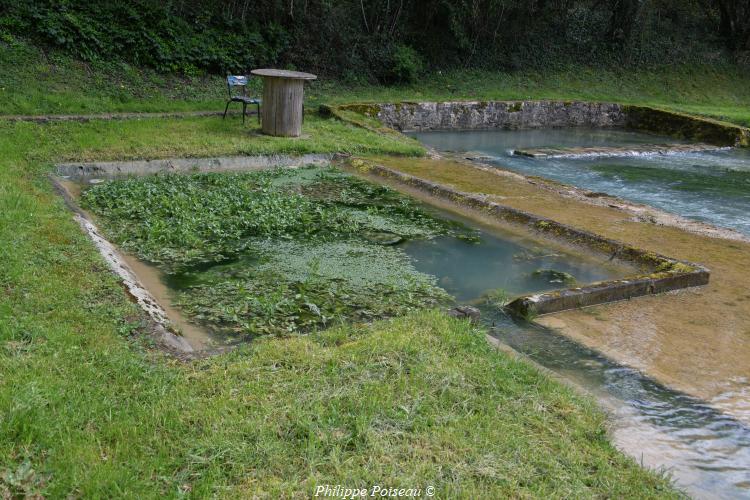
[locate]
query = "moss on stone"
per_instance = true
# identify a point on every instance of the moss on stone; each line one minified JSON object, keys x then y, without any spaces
{"x":686,"y":126}
{"x":363,"y":108}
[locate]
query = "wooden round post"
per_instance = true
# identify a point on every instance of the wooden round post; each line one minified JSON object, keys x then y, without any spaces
{"x":282,"y":106}
{"x":283,"y":93}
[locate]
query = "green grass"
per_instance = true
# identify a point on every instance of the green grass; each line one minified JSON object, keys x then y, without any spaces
{"x":32,"y":82}
{"x":37,"y":82}
{"x":88,"y":409}
{"x":199,"y":137}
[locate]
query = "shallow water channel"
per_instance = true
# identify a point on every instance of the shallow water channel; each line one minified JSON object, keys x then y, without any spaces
{"x":707,"y":452}
{"x":708,"y":186}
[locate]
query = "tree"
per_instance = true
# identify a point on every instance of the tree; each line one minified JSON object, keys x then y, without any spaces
{"x":734,"y":23}
{"x":623,"y":19}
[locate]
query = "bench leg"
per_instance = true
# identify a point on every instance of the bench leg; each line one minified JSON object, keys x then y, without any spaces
{"x":244,"y":112}
{"x":225,"y":110}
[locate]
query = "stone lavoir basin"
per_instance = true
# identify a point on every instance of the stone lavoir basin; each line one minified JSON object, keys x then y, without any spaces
{"x":210,"y":246}
{"x":439,"y":256}
{"x":274,"y":251}
{"x":441,"y":259}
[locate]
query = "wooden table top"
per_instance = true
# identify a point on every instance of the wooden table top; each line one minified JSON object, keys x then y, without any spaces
{"x":282,"y":73}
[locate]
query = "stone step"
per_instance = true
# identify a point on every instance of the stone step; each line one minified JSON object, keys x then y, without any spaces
{"x":602,"y":151}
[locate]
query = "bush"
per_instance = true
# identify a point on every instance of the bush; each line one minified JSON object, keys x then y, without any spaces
{"x":371,"y":41}
{"x":406,"y":65}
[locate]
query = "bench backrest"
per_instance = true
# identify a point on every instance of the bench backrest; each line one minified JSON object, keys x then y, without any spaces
{"x":237,"y":81}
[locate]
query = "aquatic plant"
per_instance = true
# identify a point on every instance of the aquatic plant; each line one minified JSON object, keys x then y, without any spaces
{"x":497,"y":298}
{"x":178,"y":221}
{"x":275,"y":251}
{"x":300,"y":286}
{"x":553,"y":276}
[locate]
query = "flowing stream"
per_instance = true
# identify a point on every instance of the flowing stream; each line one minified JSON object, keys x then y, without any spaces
{"x":706,"y":451}
{"x":708,"y":186}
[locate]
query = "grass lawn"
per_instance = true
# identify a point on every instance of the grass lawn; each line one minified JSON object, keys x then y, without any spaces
{"x":33,"y":82}
{"x":88,"y":409}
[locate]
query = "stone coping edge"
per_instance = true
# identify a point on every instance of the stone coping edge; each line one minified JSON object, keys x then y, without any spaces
{"x":186,"y":165}
{"x":664,"y":273}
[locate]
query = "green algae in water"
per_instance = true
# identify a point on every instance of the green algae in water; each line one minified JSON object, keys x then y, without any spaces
{"x":276,"y":251}
{"x":301,"y":286}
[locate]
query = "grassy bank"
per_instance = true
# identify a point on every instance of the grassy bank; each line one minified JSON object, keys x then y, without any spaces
{"x":88,"y":409}
{"x":32,"y":82}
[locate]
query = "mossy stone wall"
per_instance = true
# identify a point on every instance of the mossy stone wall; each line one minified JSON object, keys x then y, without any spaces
{"x":516,"y":115}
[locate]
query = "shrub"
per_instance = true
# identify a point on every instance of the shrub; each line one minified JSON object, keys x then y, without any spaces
{"x":406,"y":65}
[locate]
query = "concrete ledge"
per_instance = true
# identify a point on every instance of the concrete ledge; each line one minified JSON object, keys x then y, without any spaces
{"x":661,"y":274}
{"x":608,"y":152}
{"x":183,"y":165}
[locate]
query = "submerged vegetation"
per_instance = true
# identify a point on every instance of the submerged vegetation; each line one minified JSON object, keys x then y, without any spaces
{"x":553,"y":276}
{"x":275,"y":251}
{"x":298,"y":286}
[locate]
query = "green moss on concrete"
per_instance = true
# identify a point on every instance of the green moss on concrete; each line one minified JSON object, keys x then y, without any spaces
{"x":686,"y":126}
{"x":367,"y":109}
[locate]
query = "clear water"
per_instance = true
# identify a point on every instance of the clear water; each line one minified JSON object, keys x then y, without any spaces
{"x":711,"y":187}
{"x":705,"y":451}
{"x":467,"y":270}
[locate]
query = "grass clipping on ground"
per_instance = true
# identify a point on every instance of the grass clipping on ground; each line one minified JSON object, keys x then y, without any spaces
{"x":277,"y":251}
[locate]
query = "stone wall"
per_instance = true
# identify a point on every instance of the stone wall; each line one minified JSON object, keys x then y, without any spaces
{"x":686,"y":126}
{"x":499,"y":114}
{"x":515,"y":115}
